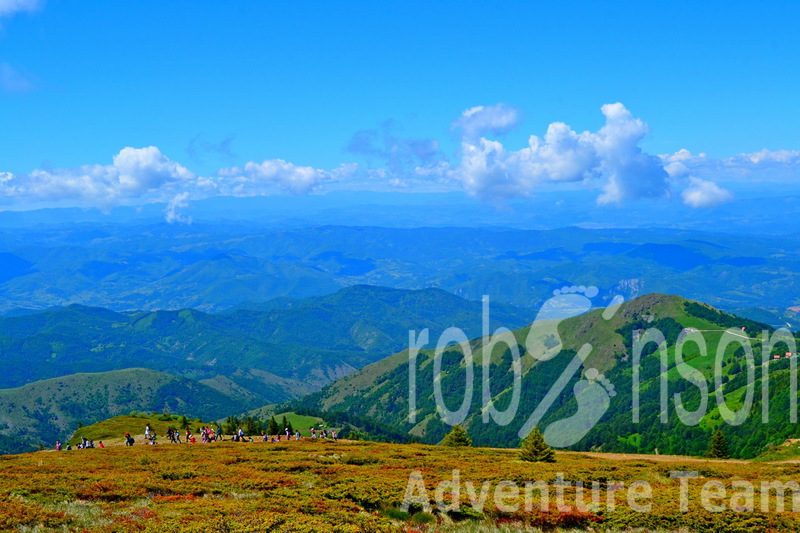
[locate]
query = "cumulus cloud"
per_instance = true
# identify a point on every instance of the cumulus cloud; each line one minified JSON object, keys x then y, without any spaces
{"x":172,"y":213}
{"x":611,"y":154}
{"x":704,"y":193}
{"x":134,"y":172}
{"x":764,"y":165}
{"x":9,"y":7}
{"x":277,"y":175}
{"x":608,"y":160}
{"x":141,"y":175}
{"x":478,"y":121}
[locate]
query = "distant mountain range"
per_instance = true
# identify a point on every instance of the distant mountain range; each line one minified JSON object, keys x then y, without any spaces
{"x":218,"y":267}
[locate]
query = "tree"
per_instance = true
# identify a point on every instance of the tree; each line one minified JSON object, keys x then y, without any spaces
{"x":287,"y":424}
{"x":718,"y":447}
{"x":232,"y":423}
{"x":184,"y":422}
{"x":535,"y":449}
{"x":272,"y":427}
{"x":252,"y":426}
{"x":457,"y":437}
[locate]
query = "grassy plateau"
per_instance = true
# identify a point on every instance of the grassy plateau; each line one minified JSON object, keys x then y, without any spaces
{"x":316,"y":485}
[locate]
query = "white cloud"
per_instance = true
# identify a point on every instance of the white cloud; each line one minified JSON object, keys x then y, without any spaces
{"x":277,"y":175}
{"x":134,"y":173}
{"x":608,"y":160}
{"x":611,"y":154}
{"x":172,"y":213}
{"x":704,"y":193}
{"x":762,"y":166}
{"x":9,"y":7}
{"x":140,"y":175}
{"x":478,"y":121}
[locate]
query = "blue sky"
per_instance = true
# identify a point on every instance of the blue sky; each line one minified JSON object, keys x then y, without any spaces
{"x":380,"y":87}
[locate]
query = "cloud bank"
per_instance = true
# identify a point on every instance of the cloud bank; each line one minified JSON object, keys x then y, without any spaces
{"x":134,"y":173}
{"x":275,"y":175}
{"x":609,"y":160}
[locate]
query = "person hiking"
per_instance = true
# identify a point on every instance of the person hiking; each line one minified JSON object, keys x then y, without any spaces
{"x":58,"y":445}
{"x":147,"y":431}
{"x":100,"y":444}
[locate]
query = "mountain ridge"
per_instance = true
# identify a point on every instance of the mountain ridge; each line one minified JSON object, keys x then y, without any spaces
{"x":381,"y":390}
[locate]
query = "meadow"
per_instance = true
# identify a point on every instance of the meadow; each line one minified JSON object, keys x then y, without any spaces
{"x":316,"y":485}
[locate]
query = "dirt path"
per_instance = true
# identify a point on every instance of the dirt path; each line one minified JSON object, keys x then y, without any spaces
{"x":655,"y":458}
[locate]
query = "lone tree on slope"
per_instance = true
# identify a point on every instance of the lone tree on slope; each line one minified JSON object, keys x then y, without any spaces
{"x":718,"y":447}
{"x":457,"y":437}
{"x":535,"y":449}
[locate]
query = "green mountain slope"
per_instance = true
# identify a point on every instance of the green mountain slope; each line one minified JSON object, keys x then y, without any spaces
{"x":258,"y":356}
{"x":381,"y":390}
{"x":41,"y":412}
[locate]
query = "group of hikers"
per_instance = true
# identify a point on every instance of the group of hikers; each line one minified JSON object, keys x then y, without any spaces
{"x":207,"y":434}
{"x":84,"y":445}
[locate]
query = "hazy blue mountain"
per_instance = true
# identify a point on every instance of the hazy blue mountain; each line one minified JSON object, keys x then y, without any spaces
{"x":221,"y":266}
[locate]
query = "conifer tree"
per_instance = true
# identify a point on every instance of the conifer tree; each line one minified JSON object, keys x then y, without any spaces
{"x":457,"y":437}
{"x":252,"y":426}
{"x":287,"y":424}
{"x":535,"y":449}
{"x":231,"y":425}
{"x":718,"y":446}
{"x":272,"y":427}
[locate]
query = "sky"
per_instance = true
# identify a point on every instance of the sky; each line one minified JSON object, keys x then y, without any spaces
{"x":117,"y":103}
